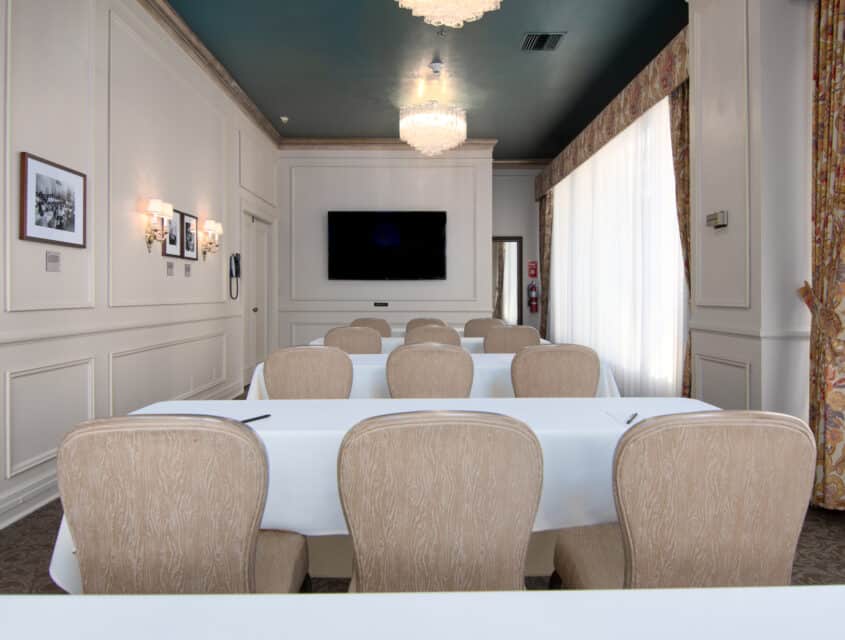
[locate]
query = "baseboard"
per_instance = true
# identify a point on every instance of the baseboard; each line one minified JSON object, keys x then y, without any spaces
{"x":28,"y":498}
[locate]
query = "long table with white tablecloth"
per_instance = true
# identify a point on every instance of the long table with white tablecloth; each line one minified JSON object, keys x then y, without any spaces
{"x":773,"y":613}
{"x":473,"y":345}
{"x":491,"y":377}
{"x":302,"y":438}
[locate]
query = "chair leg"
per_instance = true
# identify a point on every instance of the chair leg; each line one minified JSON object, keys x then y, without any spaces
{"x":307,"y":587}
{"x":555,"y":582}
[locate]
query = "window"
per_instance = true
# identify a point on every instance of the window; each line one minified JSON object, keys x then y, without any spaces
{"x":617,"y":280}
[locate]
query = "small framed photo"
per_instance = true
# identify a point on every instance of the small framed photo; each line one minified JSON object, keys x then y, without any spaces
{"x":190,"y":250}
{"x":52,"y":202}
{"x":172,"y":244}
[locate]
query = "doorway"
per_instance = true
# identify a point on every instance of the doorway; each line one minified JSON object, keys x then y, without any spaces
{"x":507,"y":278}
{"x":255,"y":276}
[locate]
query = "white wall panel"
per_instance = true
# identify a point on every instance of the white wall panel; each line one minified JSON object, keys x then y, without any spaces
{"x":42,"y":404}
{"x":166,"y":141}
{"x":49,"y":72}
{"x":719,"y":68}
{"x":170,"y":370}
{"x":257,"y":167}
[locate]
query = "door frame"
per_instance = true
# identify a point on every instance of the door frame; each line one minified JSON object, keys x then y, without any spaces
{"x":251,"y":208}
{"x":520,"y":266}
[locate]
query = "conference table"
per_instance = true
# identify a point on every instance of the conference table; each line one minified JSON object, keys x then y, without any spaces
{"x":302,"y":438}
{"x":473,"y":345}
{"x":773,"y":613}
{"x":491,"y":377}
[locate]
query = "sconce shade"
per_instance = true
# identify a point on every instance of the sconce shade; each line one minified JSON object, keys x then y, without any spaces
{"x":154,"y":207}
{"x":166,"y":211}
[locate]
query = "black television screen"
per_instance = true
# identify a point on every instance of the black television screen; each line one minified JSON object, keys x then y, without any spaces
{"x":387,"y":245}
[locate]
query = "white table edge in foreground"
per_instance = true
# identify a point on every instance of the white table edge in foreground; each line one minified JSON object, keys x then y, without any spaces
{"x":772,"y":612}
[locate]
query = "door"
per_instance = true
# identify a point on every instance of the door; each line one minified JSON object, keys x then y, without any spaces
{"x":255,"y":276}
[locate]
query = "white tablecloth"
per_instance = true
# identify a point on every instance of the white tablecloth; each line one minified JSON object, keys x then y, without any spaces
{"x":491,"y":378}
{"x":302,"y":438}
{"x":473,"y":345}
{"x":773,"y":613}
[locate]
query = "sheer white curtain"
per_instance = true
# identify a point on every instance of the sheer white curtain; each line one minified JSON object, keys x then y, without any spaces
{"x":617,"y":279}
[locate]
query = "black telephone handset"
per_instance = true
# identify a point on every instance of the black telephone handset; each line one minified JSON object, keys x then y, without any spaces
{"x":234,"y":275}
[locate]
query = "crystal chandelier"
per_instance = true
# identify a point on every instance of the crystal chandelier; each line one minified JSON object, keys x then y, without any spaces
{"x":450,"y":13}
{"x":432,"y":128}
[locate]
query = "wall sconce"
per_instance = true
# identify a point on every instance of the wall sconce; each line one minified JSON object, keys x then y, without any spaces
{"x":211,"y":244}
{"x":160,"y":214}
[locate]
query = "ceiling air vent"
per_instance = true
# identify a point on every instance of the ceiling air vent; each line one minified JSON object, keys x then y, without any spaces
{"x":542,"y":41}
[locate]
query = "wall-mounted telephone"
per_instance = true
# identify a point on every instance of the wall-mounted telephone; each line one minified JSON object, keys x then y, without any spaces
{"x":234,"y":275}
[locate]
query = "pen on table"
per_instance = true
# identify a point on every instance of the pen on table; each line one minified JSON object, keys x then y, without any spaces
{"x":266,"y":415}
{"x":631,"y":418}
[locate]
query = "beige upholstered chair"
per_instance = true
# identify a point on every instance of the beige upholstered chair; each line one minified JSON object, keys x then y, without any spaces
{"x":713,"y":499}
{"x":308,"y":372}
{"x":439,"y":501}
{"x":510,"y":339}
{"x":421,"y":322}
{"x":429,"y":371}
{"x":379,"y":324}
{"x":172,"y":504}
{"x":433,"y":333}
{"x":354,"y":339}
{"x":555,"y":371}
{"x":478,"y":327}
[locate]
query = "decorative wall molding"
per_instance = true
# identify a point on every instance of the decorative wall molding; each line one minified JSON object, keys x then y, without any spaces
{"x":538,"y":163}
{"x":739,"y":221}
{"x":172,"y":22}
{"x":374,"y":144}
{"x":14,"y":468}
{"x":779,"y":334}
{"x":11,"y":187}
{"x":114,"y":356}
{"x":698,"y":375}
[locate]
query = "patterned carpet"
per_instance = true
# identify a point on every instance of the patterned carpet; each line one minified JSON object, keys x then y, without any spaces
{"x":25,"y":549}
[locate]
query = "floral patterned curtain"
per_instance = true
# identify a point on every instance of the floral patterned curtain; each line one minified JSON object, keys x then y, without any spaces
{"x":498,"y":279}
{"x":659,"y":78}
{"x":679,"y":114}
{"x":826,"y":297}
{"x":546,"y":215}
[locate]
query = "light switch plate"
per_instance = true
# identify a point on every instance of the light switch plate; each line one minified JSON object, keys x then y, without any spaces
{"x":170,"y":268}
{"x":53,"y":261}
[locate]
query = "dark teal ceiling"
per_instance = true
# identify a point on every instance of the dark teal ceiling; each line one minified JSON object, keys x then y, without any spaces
{"x":341,"y":68}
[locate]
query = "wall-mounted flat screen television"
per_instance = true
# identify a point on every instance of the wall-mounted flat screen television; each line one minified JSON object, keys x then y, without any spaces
{"x":387,"y":245}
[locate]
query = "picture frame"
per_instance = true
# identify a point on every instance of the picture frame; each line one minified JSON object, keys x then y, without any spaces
{"x":171,"y":246}
{"x":190,"y":236}
{"x":53,"y":207}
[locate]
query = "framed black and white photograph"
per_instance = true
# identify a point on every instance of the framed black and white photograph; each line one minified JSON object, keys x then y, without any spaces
{"x":172,"y":244}
{"x":190,"y":241}
{"x":52,"y":202}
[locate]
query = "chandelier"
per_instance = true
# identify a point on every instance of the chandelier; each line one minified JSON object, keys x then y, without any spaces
{"x":450,"y":13}
{"x":432,"y":128}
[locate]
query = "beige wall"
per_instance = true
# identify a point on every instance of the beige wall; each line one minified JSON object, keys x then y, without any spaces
{"x":98,"y":86}
{"x":750,"y":71}
{"x":315,"y":181}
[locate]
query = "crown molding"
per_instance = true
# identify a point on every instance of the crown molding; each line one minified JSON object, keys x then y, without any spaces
{"x":379,"y":144}
{"x":172,"y":22}
{"x":532,"y":163}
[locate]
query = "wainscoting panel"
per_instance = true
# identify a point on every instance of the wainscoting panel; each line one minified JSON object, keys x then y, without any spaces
{"x":42,"y":404}
{"x":722,"y":382}
{"x":173,"y":370}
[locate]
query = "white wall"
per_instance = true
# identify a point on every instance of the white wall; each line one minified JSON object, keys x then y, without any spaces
{"x":750,"y":71}
{"x":516,"y":213}
{"x":315,"y":181}
{"x":97,"y":85}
